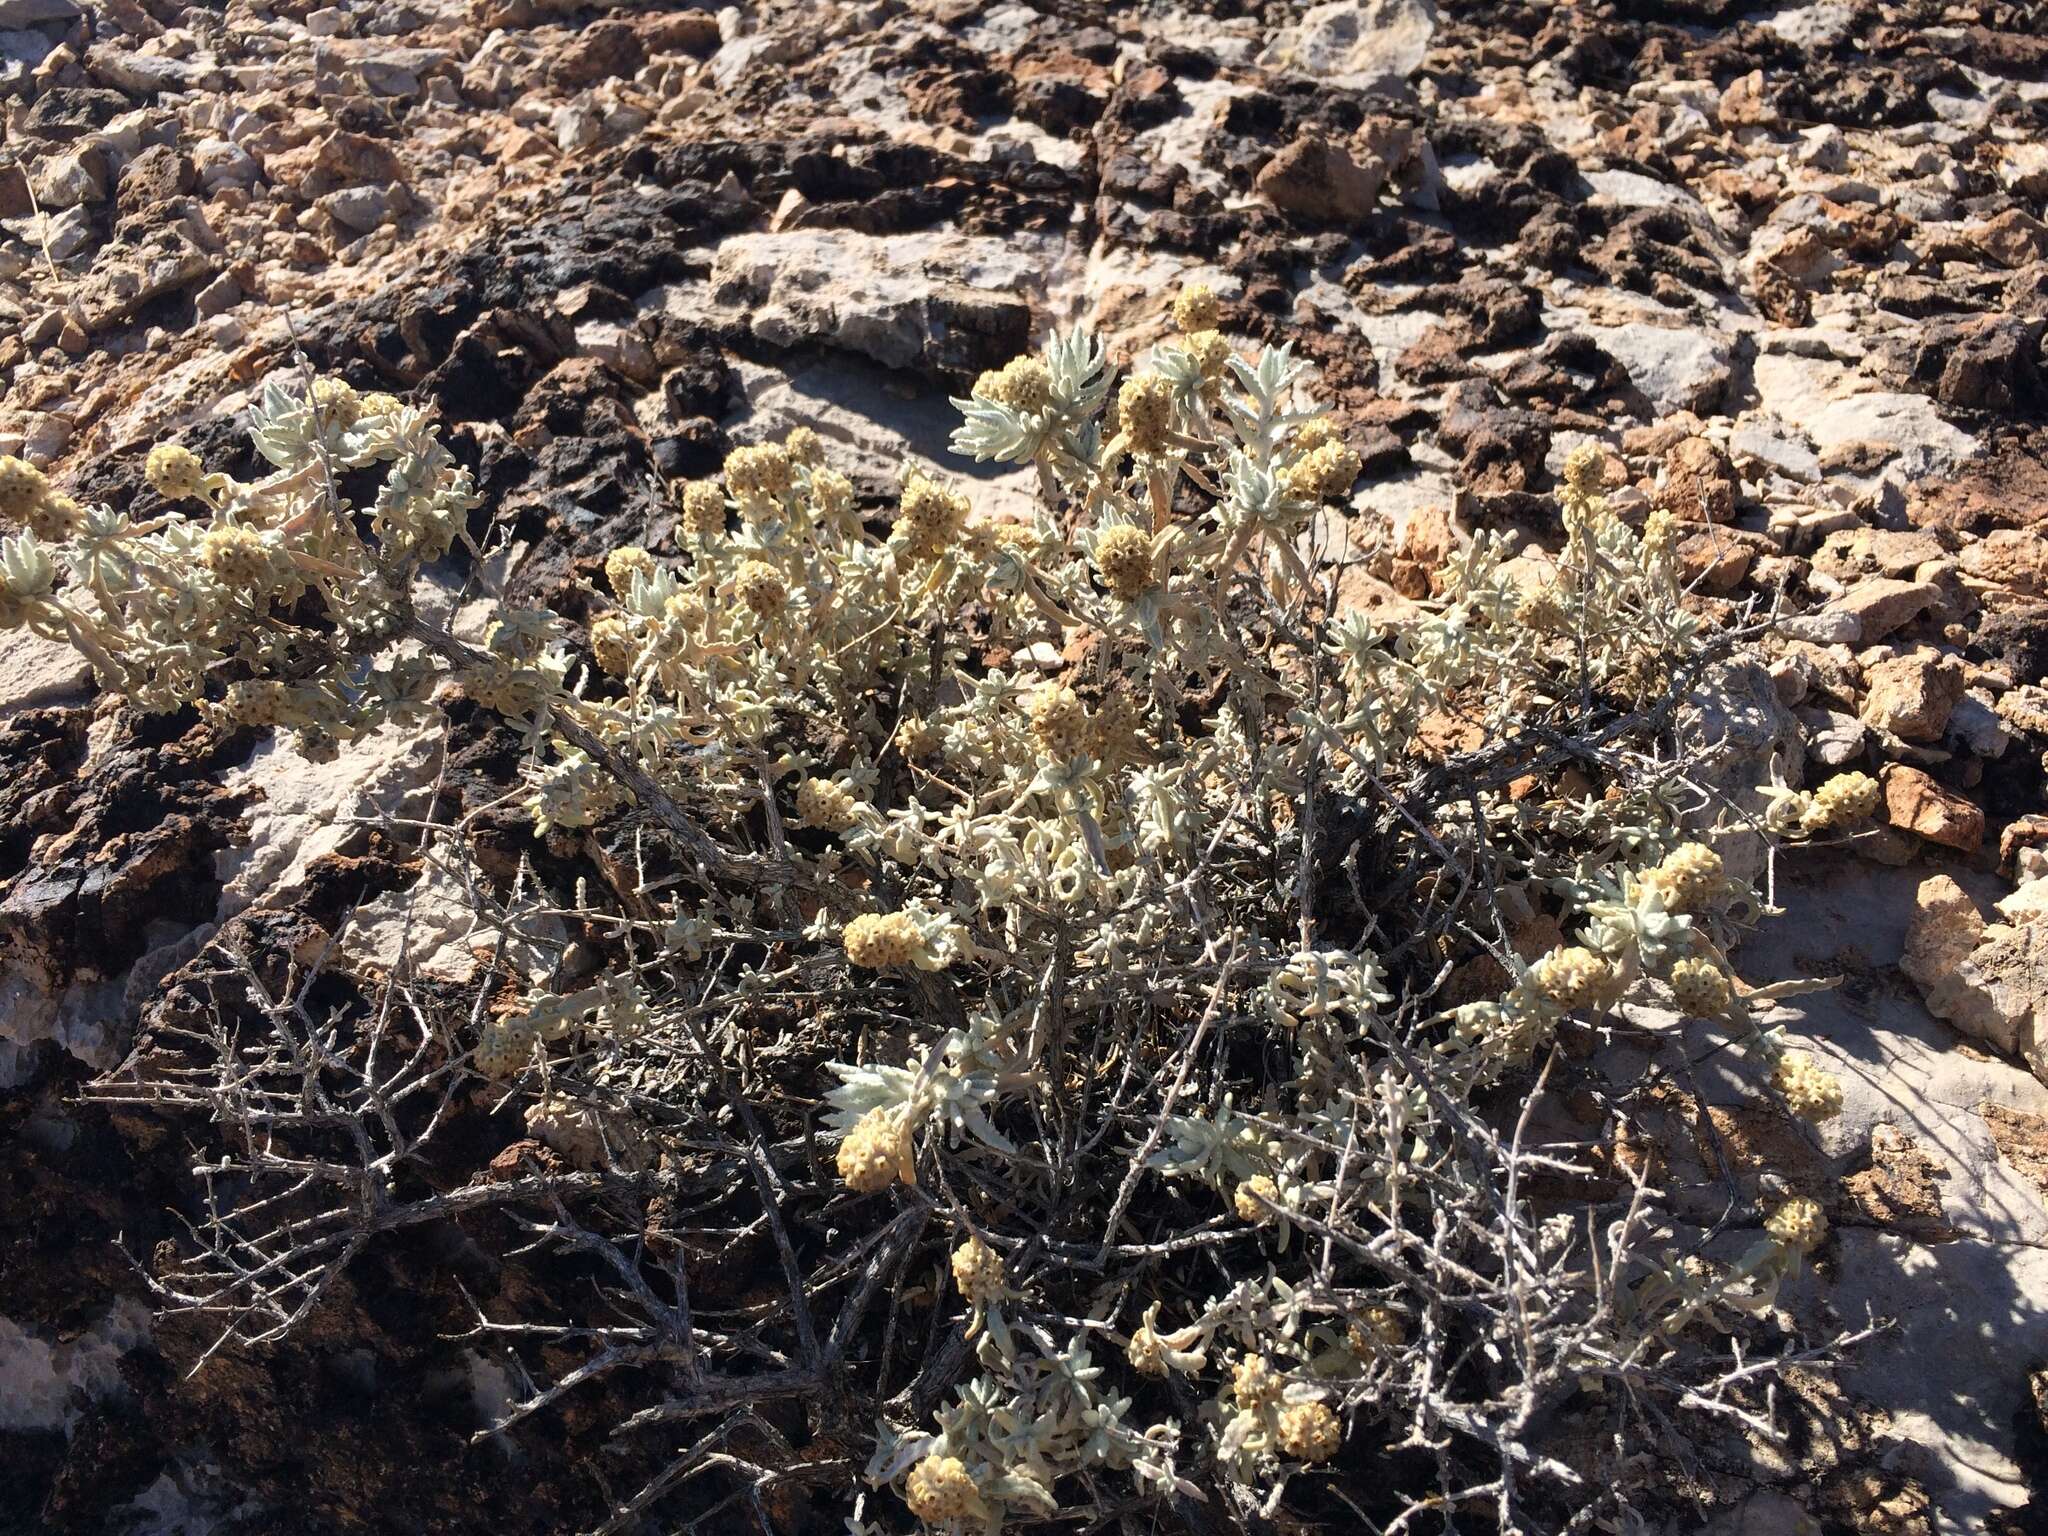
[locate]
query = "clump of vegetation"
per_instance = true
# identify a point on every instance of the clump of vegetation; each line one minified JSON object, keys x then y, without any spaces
{"x":1070,"y":955}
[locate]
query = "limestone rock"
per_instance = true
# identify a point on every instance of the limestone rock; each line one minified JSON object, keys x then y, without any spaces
{"x":124,"y":278}
{"x":1355,"y":44}
{"x":35,"y":672}
{"x":1881,"y":605}
{"x":1989,"y":980}
{"x":942,"y":302}
{"x":1676,"y":368}
{"x":1912,"y":695}
{"x":1945,"y":928}
{"x":2012,"y":238}
{"x":361,"y":209}
{"x":2011,"y":557}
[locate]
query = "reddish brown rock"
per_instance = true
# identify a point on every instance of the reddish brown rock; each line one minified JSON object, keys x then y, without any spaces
{"x":2012,"y":238}
{"x":1320,"y":182}
{"x":1915,"y":803}
{"x":1698,"y":483}
{"x":1717,"y":557}
{"x":602,"y":51}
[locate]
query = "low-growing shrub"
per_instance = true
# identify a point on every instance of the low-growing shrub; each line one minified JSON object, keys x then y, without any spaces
{"x":1115,"y":981}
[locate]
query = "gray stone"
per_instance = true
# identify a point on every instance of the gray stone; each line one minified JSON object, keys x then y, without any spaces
{"x":68,"y":233}
{"x":1830,"y":626}
{"x":2024,"y":170}
{"x":28,"y":13}
{"x":307,"y":810}
{"x":363,"y":209}
{"x":125,"y":278}
{"x":1823,"y":148}
{"x":217,"y":297}
{"x":1821,"y":25}
{"x":1833,"y":739}
{"x":221,"y":162}
{"x":932,"y":299}
{"x":36,"y":672}
{"x":1677,"y":368}
{"x":1977,"y":726}
{"x":1355,"y":44}
{"x":1784,"y":449}
{"x":149,"y":74}
{"x":1881,"y":605}
{"x":1912,"y":695}
{"x":576,"y":125}
{"x":76,"y":177}
{"x":51,"y":1381}
{"x":26,"y":48}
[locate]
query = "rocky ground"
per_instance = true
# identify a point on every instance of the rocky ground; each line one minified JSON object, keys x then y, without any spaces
{"x":1788,"y":263}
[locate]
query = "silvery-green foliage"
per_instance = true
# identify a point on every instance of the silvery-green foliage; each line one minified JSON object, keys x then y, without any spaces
{"x":1077,"y":363}
{"x":951,"y":1087}
{"x":1261,"y":414}
{"x":1142,"y":938}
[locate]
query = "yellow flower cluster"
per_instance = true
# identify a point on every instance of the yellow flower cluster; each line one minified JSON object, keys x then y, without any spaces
{"x":703,"y":510}
{"x":940,"y":1488}
{"x":930,"y":518}
{"x":1059,"y":721}
{"x":823,"y":803}
{"x":337,"y":402}
{"x":1573,"y":977}
{"x":804,"y":447}
{"x":1196,"y":309}
{"x":237,"y":556}
{"x":1585,"y":470}
{"x":1145,"y":413}
{"x":1310,"y":1432}
{"x":1255,"y":1384}
{"x":625,"y":565}
{"x":877,"y":941}
{"x":1691,"y":878}
{"x":978,"y":1272}
{"x":878,"y":1152}
{"x":28,"y":499}
{"x":1377,"y":1329}
{"x":611,"y":642}
{"x":1813,"y":1092}
{"x":23,"y":488}
{"x":757,"y":472}
{"x":174,"y":472}
{"x":1701,"y":989}
{"x":1023,"y":384}
{"x":1255,"y":1198}
{"x":1800,"y":1224}
{"x":505,"y":1044}
{"x":760,"y":586}
{"x":1123,"y":554}
{"x":1844,"y":801}
{"x":1327,"y":470}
